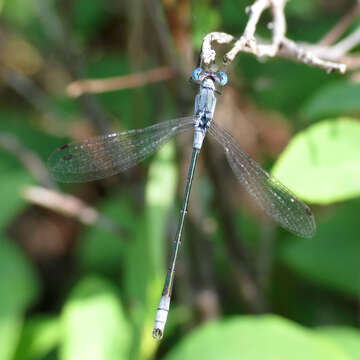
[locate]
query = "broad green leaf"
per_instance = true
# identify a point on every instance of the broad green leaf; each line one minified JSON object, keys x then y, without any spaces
{"x":17,"y":271}
{"x":331,"y":258}
{"x":255,"y":338}
{"x":145,"y":278}
{"x":322,"y":164}
{"x":346,"y":337}
{"x":335,"y":99}
{"x":94,"y":325}
{"x":105,"y":252}
{"x":40,"y":335}
{"x":10,"y":329}
{"x":18,"y":289}
{"x":161,"y":186}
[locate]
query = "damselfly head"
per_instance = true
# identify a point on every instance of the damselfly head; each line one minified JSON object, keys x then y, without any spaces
{"x":199,"y":75}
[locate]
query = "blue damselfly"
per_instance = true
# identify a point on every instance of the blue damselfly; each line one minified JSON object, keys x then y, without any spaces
{"x":110,"y":154}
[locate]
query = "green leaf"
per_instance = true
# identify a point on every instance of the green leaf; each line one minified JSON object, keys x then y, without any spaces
{"x":322,"y":164}
{"x":18,"y":289}
{"x":335,"y":99}
{"x":94,"y":324}
{"x":17,"y":271}
{"x":161,"y":186}
{"x":40,"y":335}
{"x":331,"y":258}
{"x":145,"y":278}
{"x":19,"y":12}
{"x":347,"y":338}
{"x":255,"y":338}
{"x":159,"y":196}
{"x":10,"y":329}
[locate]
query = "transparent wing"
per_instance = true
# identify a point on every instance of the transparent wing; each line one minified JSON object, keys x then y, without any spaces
{"x":273,"y":197}
{"x":110,"y":154}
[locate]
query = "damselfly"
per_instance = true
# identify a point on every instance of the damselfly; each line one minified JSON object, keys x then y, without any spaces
{"x":110,"y":154}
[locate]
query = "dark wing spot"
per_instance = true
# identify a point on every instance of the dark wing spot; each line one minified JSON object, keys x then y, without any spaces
{"x":67,"y":157}
{"x":308,"y":211}
{"x":64,"y":147}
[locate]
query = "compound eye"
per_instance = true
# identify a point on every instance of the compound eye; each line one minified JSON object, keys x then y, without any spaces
{"x":223,"y":78}
{"x":196,"y":73}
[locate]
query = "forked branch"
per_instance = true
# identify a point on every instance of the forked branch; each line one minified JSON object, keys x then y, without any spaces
{"x":330,"y":57}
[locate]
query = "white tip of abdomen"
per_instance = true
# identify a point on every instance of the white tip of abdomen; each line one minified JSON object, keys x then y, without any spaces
{"x":161,"y":317}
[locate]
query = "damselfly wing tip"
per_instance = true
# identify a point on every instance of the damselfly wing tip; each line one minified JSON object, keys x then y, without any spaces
{"x":312,"y":231}
{"x":309,"y":228}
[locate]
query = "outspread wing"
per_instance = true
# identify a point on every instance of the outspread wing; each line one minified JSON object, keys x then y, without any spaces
{"x":107,"y":155}
{"x":272,"y":196}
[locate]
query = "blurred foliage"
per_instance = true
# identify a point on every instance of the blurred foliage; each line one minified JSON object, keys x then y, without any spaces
{"x":345,"y":337}
{"x":304,"y":165}
{"x":340,"y":98}
{"x":18,"y":275}
{"x":204,"y":19}
{"x":70,"y":291}
{"x":88,"y":18}
{"x":40,"y":335}
{"x":94,"y":323}
{"x":252,"y":337}
{"x":319,"y":259}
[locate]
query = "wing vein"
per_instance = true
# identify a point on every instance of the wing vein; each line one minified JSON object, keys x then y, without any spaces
{"x":273,"y":197}
{"x":107,"y":155}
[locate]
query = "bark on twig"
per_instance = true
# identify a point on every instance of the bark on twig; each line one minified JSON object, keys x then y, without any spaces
{"x":94,"y":86}
{"x":71,"y":206}
{"x":329,"y":59}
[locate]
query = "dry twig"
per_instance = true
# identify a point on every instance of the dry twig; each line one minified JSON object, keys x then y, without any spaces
{"x":94,"y":86}
{"x":46,"y":195}
{"x":71,"y":206}
{"x":64,"y":204}
{"x":324,"y":56}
